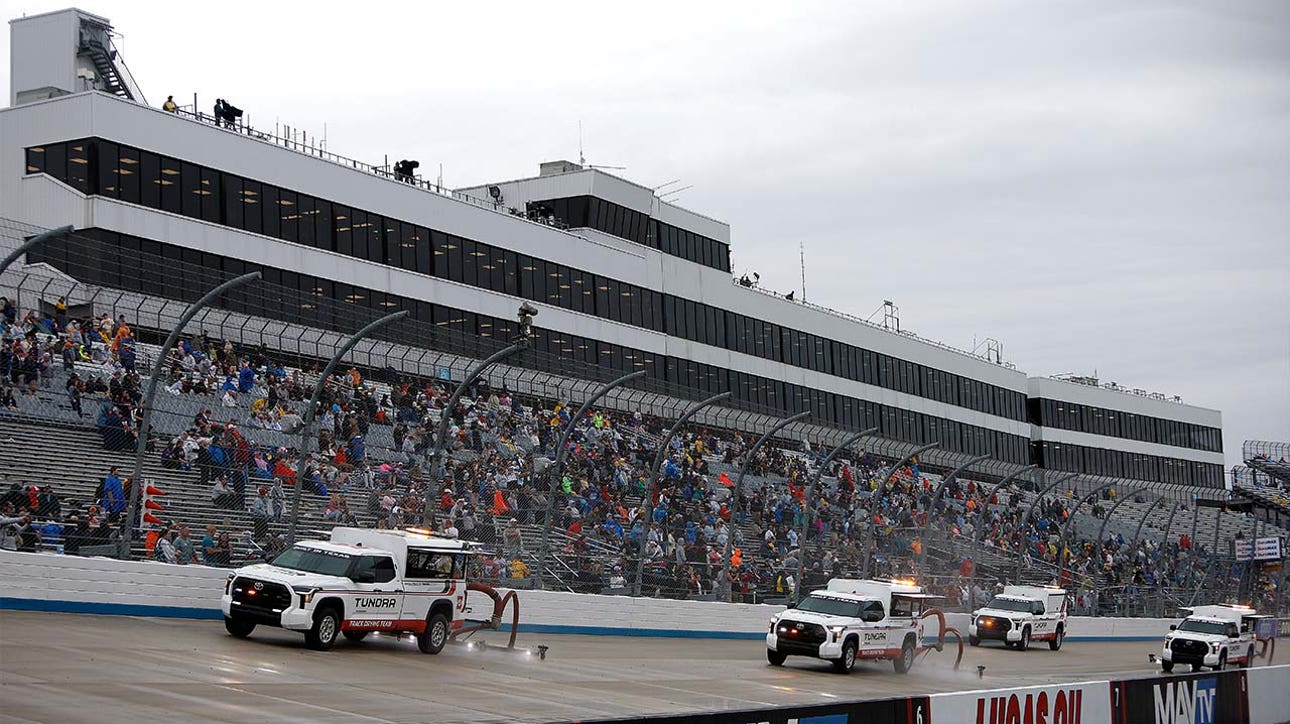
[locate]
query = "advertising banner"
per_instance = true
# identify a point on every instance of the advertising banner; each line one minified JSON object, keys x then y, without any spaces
{"x":1218,"y":697}
{"x":1267,"y":549}
{"x":1080,"y":703}
{"x":1257,"y":549}
{"x":913,"y":710}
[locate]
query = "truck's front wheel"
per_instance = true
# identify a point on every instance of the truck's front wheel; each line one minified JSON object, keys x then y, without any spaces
{"x":1167,"y":667}
{"x":238,"y":627}
{"x":325,"y":630}
{"x":775,"y":658}
{"x":905,"y":661}
{"x":1055,"y":643}
{"x":432,"y":640}
{"x":1024,"y":643}
{"x":847,"y":660}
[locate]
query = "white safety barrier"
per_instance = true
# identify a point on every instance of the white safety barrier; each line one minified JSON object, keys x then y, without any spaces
{"x":1269,"y":693}
{"x":49,"y":582}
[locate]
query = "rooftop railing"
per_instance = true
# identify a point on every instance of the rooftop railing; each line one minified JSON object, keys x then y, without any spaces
{"x":308,"y":147}
{"x":858,"y":320}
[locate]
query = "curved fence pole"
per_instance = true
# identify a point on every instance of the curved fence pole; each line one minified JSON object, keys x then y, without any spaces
{"x":561,"y":452}
{"x":652,"y":485}
{"x":734,"y":497}
{"x":936,"y":495}
{"x":145,"y":425}
{"x":1030,"y":513}
{"x":1137,"y":533}
{"x":307,"y":419}
{"x":1066,"y":527}
{"x":1164,"y":546}
{"x":979,"y":531}
{"x":1137,"y":536}
{"x":440,"y":454}
{"x":875,"y":500}
{"x":27,"y":245}
{"x":807,"y":513}
{"x":1101,"y":531}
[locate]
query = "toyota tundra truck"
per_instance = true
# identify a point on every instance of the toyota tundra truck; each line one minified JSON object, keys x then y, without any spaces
{"x":1212,"y":636}
{"x":1019,"y":615}
{"x":359,"y":581}
{"x":852,"y":619}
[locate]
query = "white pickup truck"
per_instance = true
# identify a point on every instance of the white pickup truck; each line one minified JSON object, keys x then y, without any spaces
{"x":850,"y":620}
{"x":1213,"y":636}
{"x":1019,"y":615}
{"x":360,"y":581}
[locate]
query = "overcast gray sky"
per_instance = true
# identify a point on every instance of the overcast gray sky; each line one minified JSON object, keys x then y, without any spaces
{"x":1103,"y":186}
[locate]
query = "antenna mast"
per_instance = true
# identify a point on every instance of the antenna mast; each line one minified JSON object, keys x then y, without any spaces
{"x":801,"y":252}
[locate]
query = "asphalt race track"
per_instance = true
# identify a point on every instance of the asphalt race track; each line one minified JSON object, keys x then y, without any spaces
{"x":77,"y":668}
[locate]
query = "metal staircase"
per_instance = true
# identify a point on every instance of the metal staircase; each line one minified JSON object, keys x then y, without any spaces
{"x":104,"y":63}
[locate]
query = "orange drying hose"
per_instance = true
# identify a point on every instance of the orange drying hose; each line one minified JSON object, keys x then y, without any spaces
{"x":499,"y":609}
{"x":940,"y":639}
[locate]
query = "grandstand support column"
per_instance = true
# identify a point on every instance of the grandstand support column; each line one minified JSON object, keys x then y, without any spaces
{"x":652,"y":485}
{"x":936,"y":495}
{"x":307,"y":421}
{"x":876,"y":498}
{"x":436,"y":471}
{"x":27,"y":245}
{"x":1030,"y":512}
{"x":557,"y":470}
{"x":727,"y":583}
{"x":141,"y":442}
{"x":808,"y":509}
{"x":980,"y":530}
{"x":1064,"y":541}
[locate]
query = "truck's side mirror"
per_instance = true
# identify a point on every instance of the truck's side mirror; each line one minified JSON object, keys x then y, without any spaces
{"x":792,"y":604}
{"x":1173,"y":627}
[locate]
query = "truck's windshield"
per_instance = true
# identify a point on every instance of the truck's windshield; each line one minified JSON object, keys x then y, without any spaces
{"x":311,"y":560}
{"x":1009,"y":604}
{"x":830,"y":606}
{"x":1205,"y":627}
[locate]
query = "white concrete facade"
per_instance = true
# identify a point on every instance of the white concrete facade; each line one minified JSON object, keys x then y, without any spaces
{"x":37,"y":199}
{"x":43,"y":201}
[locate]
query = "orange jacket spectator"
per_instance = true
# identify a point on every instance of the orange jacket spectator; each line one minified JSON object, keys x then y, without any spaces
{"x":499,"y":503}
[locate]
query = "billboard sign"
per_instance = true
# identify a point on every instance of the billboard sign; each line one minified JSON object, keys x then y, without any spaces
{"x":1257,"y":549}
{"x":1207,"y":698}
{"x":1081,"y":703}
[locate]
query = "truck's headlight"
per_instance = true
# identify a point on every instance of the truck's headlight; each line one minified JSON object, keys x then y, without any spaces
{"x":772,"y":625}
{"x":837,"y":631}
{"x":1215,"y":647}
{"x":228,"y":584}
{"x":306,"y":593}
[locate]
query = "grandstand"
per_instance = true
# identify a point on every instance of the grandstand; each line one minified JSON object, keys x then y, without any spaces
{"x":1110,"y":492}
{"x":44,"y":426}
{"x":1264,"y":480}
